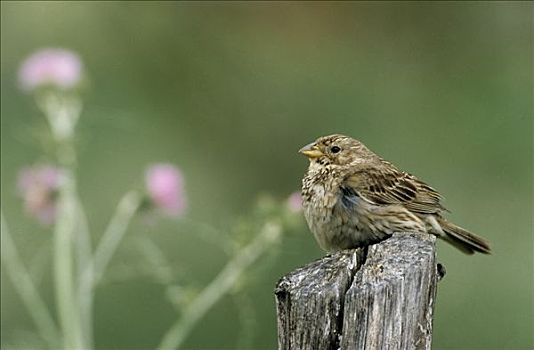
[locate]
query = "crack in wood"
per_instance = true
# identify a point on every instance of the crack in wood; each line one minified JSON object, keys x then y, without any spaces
{"x":378,"y":297}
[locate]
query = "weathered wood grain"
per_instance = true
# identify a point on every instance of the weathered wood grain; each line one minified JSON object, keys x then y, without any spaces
{"x":381,"y":297}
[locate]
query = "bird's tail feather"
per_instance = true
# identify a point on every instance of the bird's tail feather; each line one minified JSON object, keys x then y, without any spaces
{"x":464,"y":240}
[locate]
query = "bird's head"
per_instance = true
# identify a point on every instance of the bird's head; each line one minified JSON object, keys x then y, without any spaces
{"x":337,"y":150}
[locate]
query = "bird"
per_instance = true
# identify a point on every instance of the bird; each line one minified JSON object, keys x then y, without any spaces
{"x":353,"y":198}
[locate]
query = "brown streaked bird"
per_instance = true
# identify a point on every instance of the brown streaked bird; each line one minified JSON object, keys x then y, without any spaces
{"x":354,"y":198}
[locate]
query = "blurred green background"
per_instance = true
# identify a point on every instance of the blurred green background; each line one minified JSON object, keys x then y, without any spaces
{"x":230,"y":91}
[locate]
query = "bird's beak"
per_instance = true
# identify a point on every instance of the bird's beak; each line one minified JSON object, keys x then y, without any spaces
{"x":311,"y":151}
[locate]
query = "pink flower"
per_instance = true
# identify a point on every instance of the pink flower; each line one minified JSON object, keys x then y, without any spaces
{"x":38,"y":186}
{"x":294,"y":202}
{"x":57,"y":67}
{"x":165,"y":187}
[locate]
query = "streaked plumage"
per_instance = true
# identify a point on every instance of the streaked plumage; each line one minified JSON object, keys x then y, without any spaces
{"x":353,"y":198}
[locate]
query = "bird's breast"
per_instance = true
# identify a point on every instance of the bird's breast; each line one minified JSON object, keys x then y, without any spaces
{"x":319,"y":199}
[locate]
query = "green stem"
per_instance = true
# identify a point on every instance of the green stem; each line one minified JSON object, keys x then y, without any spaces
{"x":154,"y":259}
{"x":24,"y":285}
{"x":221,"y":285}
{"x":66,"y":299}
{"x":62,"y":113}
{"x":85,"y":290}
{"x":128,"y":206}
{"x":95,"y":267}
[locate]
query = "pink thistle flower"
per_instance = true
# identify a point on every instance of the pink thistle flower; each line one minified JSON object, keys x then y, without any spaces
{"x":38,"y":185}
{"x":165,"y":185}
{"x":57,"y":67}
{"x":294,"y":202}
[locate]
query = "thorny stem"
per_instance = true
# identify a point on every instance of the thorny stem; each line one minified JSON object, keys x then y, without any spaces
{"x":24,"y":285}
{"x":221,"y":285}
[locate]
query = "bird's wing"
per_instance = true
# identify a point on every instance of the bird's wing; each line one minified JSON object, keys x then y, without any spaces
{"x":392,"y":186}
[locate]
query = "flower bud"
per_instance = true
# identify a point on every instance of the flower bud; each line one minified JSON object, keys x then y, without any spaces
{"x":165,"y":186}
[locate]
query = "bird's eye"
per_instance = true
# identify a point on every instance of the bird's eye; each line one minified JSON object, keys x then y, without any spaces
{"x":335,"y":149}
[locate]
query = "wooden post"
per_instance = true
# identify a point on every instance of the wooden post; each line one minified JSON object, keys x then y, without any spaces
{"x":380,"y":297}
